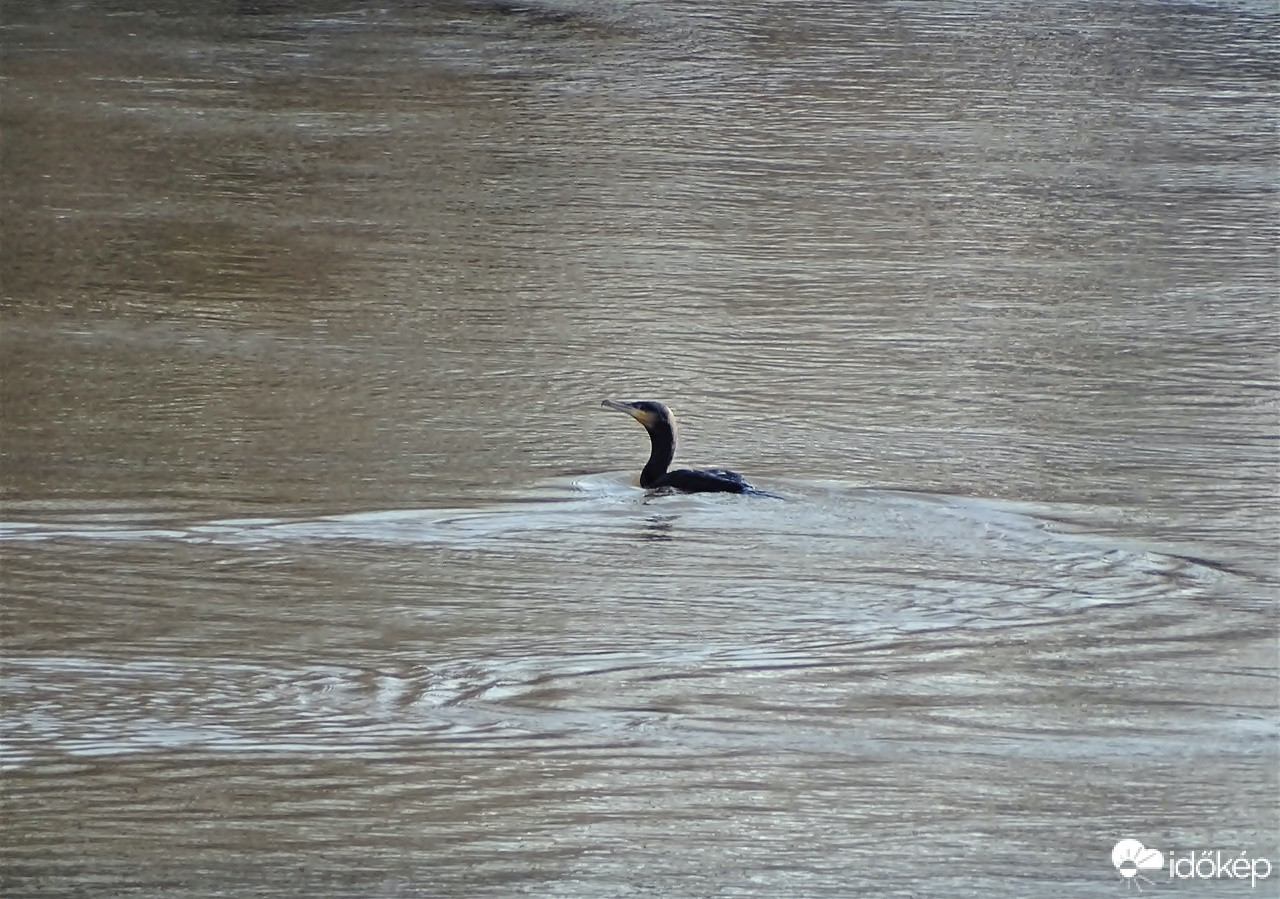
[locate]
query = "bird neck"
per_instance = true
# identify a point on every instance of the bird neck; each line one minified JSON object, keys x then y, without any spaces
{"x":663,"y":438}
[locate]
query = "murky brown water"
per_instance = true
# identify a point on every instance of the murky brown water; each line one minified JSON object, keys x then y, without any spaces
{"x":323,"y":574}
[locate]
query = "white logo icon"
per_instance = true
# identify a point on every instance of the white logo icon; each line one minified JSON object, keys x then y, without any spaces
{"x":1130,"y":857}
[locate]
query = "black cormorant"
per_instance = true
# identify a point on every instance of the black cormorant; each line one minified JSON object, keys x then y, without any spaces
{"x":661,"y":425}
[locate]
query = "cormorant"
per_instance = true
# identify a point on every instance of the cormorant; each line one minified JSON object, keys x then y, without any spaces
{"x":661,"y":425}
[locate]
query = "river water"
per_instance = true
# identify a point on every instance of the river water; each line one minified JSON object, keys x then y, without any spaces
{"x":325,"y":573}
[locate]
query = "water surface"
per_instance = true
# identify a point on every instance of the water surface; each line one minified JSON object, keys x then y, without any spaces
{"x":325,"y":574}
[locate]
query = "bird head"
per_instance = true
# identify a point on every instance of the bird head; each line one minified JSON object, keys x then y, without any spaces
{"x":647,"y":412}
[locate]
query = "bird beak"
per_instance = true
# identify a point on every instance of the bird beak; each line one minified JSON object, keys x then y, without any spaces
{"x":631,"y":410}
{"x":619,"y":407}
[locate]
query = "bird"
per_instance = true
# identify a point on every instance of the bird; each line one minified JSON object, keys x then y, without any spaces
{"x":661,"y":425}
